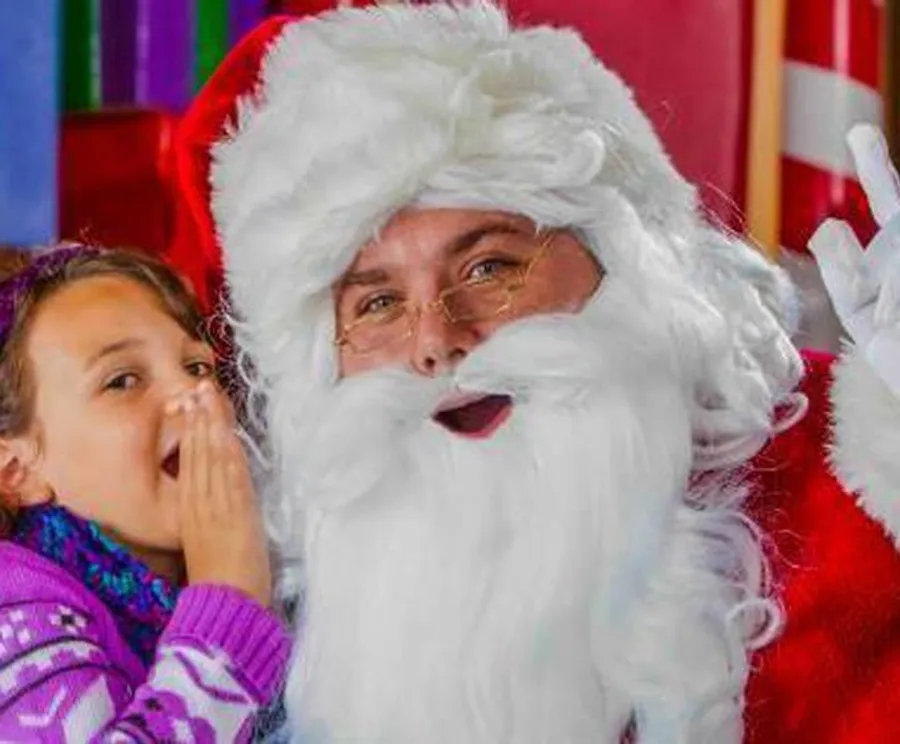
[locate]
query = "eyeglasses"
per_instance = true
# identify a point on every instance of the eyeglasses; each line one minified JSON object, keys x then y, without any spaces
{"x":480,"y":299}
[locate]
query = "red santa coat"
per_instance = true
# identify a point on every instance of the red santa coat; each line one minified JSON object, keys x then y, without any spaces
{"x":833,"y":677}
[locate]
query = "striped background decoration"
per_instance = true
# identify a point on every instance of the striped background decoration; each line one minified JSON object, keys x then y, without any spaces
{"x":832,"y":79}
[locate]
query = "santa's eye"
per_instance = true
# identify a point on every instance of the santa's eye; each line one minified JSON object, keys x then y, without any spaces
{"x":491,"y":269}
{"x":379,"y":306}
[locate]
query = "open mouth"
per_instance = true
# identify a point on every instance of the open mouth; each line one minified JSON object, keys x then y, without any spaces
{"x":477,"y":418}
{"x":171,"y":462}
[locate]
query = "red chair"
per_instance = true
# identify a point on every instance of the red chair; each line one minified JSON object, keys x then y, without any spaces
{"x":114,"y":179}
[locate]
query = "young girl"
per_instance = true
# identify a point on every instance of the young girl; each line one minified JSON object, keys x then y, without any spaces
{"x":135,"y":579}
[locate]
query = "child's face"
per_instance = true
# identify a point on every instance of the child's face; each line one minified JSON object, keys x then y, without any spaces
{"x":105,"y":359}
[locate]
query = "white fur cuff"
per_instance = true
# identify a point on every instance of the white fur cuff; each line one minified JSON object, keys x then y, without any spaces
{"x":866,"y":450}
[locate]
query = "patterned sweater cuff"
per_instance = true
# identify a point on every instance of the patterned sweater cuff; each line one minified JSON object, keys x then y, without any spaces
{"x":223,"y":618}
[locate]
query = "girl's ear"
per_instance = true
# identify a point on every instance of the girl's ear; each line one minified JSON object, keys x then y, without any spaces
{"x":17,"y":456}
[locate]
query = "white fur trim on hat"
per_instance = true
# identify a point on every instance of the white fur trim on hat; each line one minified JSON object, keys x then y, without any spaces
{"x":361,"y":112}
{"x":866,"y":449}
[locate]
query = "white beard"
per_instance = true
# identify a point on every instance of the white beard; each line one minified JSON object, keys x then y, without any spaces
{"x":548,"y":584}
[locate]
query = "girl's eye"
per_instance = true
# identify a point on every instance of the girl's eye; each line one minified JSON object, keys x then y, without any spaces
{"x":123,"y":381}
{"x":378,"y":305}
{"x":491,"y":268}
{"x":201,"y":369}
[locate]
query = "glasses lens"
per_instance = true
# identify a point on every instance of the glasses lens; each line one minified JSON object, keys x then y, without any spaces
{"x":370,"y":335}
{"x":481,"y":301}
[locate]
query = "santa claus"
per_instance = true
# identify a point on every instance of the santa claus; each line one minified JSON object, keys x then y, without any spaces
{"x":545,"y":465}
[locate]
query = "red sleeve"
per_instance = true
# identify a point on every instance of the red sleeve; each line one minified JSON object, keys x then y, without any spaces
{"x":834,"y":675}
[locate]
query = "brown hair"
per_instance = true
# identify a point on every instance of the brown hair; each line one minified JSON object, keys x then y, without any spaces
{"x":17,"y":393}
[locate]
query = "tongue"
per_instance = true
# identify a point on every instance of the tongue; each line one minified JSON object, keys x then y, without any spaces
{"x":477,"y":419}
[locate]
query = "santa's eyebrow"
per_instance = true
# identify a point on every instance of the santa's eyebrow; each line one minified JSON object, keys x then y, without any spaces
{"x":465,"y":241}
{"x":365,"y":278}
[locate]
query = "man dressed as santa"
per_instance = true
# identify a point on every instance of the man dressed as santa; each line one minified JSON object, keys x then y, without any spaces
{"x":546,"y":466}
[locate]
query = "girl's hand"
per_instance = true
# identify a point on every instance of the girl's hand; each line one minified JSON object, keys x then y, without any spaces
{"x":221,"y":526}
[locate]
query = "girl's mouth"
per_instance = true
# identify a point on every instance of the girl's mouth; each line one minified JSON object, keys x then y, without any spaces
{"x":475,"y":417}
{"x":170,"y":463}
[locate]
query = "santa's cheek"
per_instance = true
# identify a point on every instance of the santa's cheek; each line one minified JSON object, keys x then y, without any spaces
{"x":350,"y":363}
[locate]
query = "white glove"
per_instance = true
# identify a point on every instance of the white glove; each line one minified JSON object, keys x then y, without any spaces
{"x":864,"y":285}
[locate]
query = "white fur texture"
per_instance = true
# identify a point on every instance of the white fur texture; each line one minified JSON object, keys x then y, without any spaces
{"x":867,"y":440}
{"x":633,"y":419}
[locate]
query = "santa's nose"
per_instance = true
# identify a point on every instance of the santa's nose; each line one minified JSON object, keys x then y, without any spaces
{"x":438,"y":345}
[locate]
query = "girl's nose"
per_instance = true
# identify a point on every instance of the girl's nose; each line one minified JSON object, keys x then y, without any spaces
{"x":183,"y":396}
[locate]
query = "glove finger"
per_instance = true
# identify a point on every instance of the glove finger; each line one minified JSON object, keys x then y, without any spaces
{"x":887,"y":309}
{"x":876,"y":173}
{"x":883,"y":355}
{"x":839,"y":257}
{"x":881,"y":252}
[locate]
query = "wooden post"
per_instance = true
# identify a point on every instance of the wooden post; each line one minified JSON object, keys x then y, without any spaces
{"x":764,"y":142}
{"x":892,"y":76}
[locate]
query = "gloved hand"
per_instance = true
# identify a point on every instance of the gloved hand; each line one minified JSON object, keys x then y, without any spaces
{"x":864,"y":285}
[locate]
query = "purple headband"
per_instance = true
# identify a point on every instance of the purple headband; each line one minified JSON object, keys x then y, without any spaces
{"x":13,"y":289}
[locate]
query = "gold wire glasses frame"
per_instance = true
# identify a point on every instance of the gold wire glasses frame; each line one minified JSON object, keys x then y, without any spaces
{"x":471,"y":301}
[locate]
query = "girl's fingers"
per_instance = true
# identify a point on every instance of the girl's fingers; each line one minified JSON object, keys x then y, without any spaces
{"x":237,"y":472}
{"x":198,"y":475}
{"x":216,"y":485}
{"x":219,"y":490}
{"x":187,"y":464}
{"x":223,"y":456}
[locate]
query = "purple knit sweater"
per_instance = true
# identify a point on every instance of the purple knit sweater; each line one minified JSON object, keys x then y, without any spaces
{"x":67,"y":675}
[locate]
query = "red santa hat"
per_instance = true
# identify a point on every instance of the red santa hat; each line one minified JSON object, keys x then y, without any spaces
{"x":314,"y":131}
{"x":195,"y":249}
